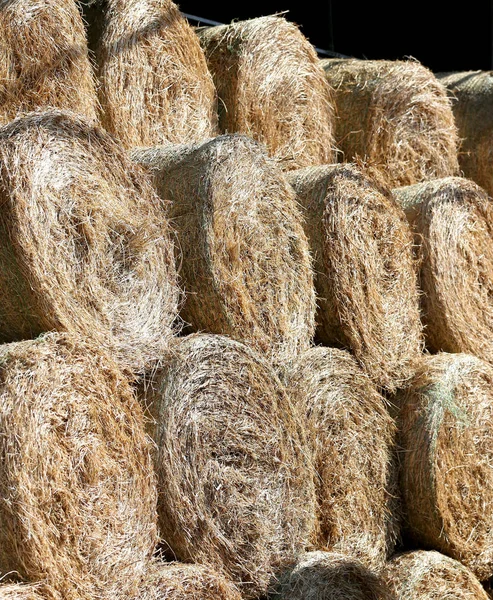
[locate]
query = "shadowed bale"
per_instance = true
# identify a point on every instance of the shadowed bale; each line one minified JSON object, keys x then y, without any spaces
{"x":429,"y":575}
{"x":44,"y":59}
{"x":366,"y":276}
{"x":446,"y":434}
{"x":271,"y":87}
{"x":245,"y":264}
{"x":353,"y":442}
{"x":394,"y":115}
{"x":85,"y":245}
{"x":155,"y":85}
{"x":234,"y":470}
{"x":453,"y":222}
{"x":77,"y":487}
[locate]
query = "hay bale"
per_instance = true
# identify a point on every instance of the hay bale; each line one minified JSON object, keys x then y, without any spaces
{"x":329,"y":576}
{"x":366,"y":276}
{"x":429,"y":575}
{"x":245,"y":261}
{"x":271,"y":87}
{"x":471,"y":93}
{"x":44,"y":59}
{"x":453,"y":223}
{"x":77,"y":488}
{"x":353,"y":442}
{"x":446,"y":435}
{"x":396,"y":116}
{"x":21,"y":591}
{"x":155,"y":85}
{"x":234,"y":471}
{"x":85,"y":246}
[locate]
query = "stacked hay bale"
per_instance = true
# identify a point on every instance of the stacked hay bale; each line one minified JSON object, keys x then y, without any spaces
{"x":394,"y":115}
{"x":272,"y":88}
{"x":366,"y":275}
{"x":352,"y":437}
{"x":155,"y":85}
{"x":245,"y":260}
{"x":44,"y":59}
{"x":453,"y":222}
{"x":234,"y":472}
{"x":446,"y":434}
{"x":85,"y":245}
{"x":471,"y":93}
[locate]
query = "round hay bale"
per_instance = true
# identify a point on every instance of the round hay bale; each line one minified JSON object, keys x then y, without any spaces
{"x":471,"y":93}
{"x":234,"y":470}
{"x":155,"y":85}
{"x":85,"y":245}
{"x":329,"y":576}
{"x":453,"y":222}
{"x":245,"y":264}
{"x":77,"y":487}
{"x":366,"y":275}
{"x":44,"y":59}
{"x":446,"y":435}
{"x":272,"y":87}
{"x":353,"y":442}
{"x":396,"y":116}
{"x":429,"y":575}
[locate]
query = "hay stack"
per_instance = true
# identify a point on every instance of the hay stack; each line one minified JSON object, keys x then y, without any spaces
{"x":366,"y":274}
{"x":234,"y":471}
{"x":245,"y":260}
{"x":353,"y":442}
{"x":77,"y":489}
{"x":84,"y":246}
{"x":329,"y":576}
{"x":155,"y":85}
{"x":423,"y":575}
{"x":44,"y":59}
{"x":446,"y":431}
{"x":396,"y":116}
{"x":453,"y":222}
{"x":271,"y":87}
{"x":472,"y":102}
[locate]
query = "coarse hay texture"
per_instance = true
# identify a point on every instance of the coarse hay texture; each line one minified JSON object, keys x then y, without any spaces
{"x":352,"y":437}
{"x":453,"y":223}
{"x":394,"y":115}
{"x":366,"y":273}
{"x":245,"y":262}
{"x":155,"y":84}
{"x":85,"y":244}
{"x":329,"y":576}
{"x":272,"y":87}
{"x":446,"y":439}
{"x":180,"y":581}
{"x":471,"y":93}
{"x":77,"y":488}
{"x":21,"y":591}
{"x":44,"y":59}
{"x":429,"y":575}
{"x":234,"y":470}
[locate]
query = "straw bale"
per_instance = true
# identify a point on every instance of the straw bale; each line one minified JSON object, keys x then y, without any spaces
{"x":234,"y":471}
{"x":272,"y":87}
{"x":396,"y":116}
{"x":85,"y":245}
{"x":453,"y":222}
{"x":352,"y":437}
{"x":446,"y":435}
{"x":366,"y":274}
{"x":155,"y":84}
{"x":77,"y":487}
{"x":471,"y":93}
{"x":44,"y":59}
{"x":429,"y":575}
{"x":245,"y":264}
